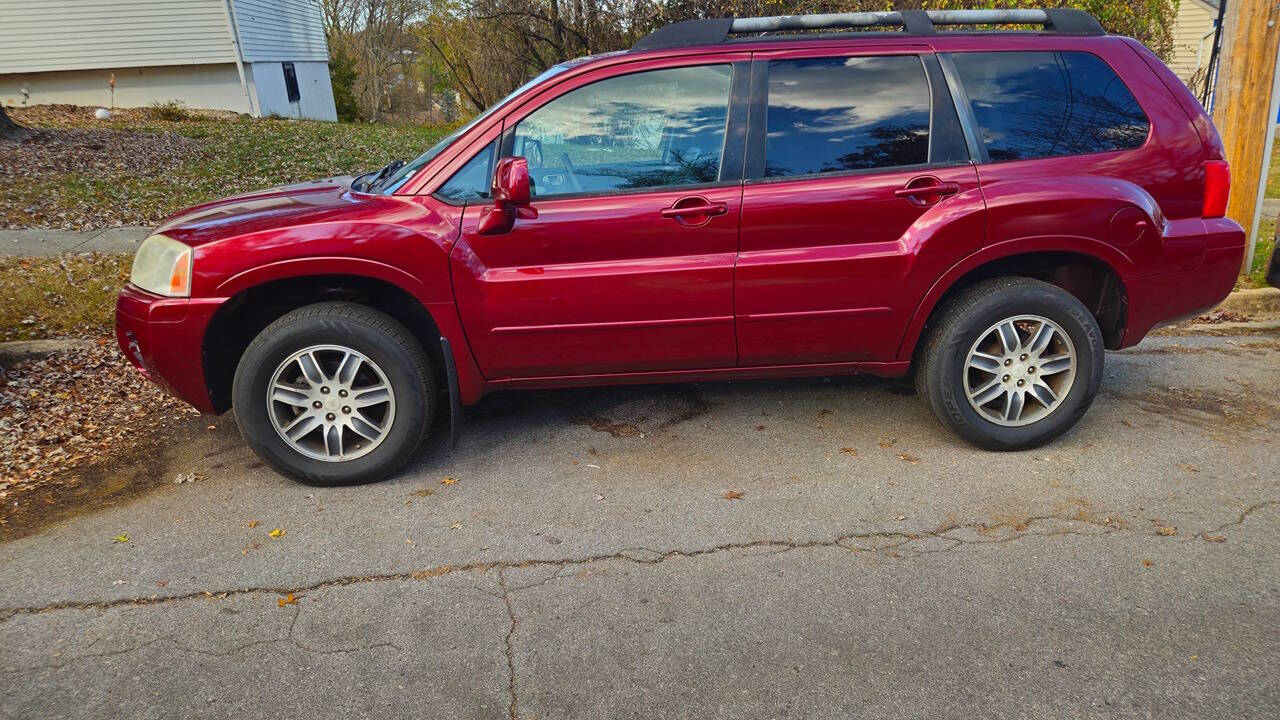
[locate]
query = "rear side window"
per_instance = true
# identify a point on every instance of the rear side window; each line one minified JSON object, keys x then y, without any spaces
{"x":842,"y":114}
{"x":652,"y":129}
{"x":1047,"y":104}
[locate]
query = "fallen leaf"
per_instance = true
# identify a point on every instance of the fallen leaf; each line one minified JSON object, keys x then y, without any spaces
{"x":849,"y":451}
{"x":253,"y":523}
{"x":1168,"y":530}
{"x":1188,"y":467}
{"x":733,"y":495}
{"x":277,"y":533}
{"x":1147,"y":563}
{"x":888,"y":443}
{"x":1213,"y":538}
{"x":900,"y":518}
{"x":759,"y":427}
{"x":286,"y":600}
{"x":908,"y":457}
{"x":121,"y":538}
{"x":449,"y":481}
{"x":456,"y":526}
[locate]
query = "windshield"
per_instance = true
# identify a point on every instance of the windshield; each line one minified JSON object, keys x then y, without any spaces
{"x":392,"y":182}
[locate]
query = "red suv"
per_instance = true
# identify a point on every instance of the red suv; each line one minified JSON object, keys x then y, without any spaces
{"x":985,"y":210}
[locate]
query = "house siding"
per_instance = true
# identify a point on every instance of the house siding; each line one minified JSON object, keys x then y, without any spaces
{"x":1193,"y":20}
{"x":281,"y":30}
{"x":86,"y":34}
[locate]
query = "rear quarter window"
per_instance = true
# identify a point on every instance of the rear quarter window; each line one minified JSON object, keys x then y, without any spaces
{"x":1048,"y":104}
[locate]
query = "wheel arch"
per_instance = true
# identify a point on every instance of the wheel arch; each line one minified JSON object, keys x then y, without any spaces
{"x":253,"y":306}
{"x":1092,"y":271}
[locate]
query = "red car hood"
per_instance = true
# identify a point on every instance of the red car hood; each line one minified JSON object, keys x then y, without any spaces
{"x":306,"y":203}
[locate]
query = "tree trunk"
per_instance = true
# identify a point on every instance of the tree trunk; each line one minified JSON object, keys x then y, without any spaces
{"x":9,"y":130}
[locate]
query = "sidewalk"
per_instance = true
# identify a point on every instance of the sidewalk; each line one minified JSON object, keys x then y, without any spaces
{"x":51,"y":242}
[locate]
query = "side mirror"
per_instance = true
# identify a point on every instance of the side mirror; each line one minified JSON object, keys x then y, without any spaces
{"x":511,"y":182}
{"x":510,"y":192}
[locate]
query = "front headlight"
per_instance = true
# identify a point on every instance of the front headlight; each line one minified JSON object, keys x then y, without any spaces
{"x":163,"y":266}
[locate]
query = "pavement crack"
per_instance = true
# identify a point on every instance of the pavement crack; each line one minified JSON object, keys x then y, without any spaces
{"x":1244,"y":515}
{"x":883,"y":540}
{"x":507,"y":645}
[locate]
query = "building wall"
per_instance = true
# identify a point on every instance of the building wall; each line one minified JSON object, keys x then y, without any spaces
{"x":213,"y":87}
{"x":315,"y":90}
{"x":1194,"y":19}
{"x":47,"y":35}
{"x":281,"y":30}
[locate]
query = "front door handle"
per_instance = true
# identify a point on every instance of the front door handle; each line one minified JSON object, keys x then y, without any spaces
{"x":708,"y":209}
{"x":926,"y":191}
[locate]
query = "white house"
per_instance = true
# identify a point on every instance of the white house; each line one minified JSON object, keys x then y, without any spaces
{"x":261,"y":57}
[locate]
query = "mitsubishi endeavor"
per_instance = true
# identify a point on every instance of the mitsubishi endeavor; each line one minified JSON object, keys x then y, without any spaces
{"x":986,"y":211}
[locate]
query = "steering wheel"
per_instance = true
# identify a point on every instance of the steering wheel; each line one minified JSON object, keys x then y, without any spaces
{"x":573,"y":172}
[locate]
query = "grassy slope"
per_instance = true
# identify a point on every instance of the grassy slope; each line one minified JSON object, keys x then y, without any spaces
{"x":235,"y":155}
{"x":74,"y":295}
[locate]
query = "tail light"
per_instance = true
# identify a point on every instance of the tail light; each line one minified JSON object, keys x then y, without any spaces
{"x":1217,"y":186}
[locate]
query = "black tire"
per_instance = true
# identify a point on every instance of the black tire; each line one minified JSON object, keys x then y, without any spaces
{"x":382,"y":340}
{"x":941,"y":363}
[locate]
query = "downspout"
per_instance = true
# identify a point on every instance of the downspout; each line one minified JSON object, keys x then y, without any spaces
{"x":235,"y":41}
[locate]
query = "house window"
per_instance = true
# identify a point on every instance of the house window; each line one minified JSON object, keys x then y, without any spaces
{"x":291,"y":82}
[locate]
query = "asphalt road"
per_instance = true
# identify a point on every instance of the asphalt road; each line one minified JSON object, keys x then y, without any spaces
{"x":587,"y":563}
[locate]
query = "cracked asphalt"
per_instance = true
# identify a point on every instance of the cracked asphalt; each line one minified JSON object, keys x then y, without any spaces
{"x":594,"y":559}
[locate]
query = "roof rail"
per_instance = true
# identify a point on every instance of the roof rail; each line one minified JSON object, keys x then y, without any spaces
{"x":914,"y":22}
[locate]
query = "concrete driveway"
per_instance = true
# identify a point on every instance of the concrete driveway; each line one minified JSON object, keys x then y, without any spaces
{"x":812,"y":549}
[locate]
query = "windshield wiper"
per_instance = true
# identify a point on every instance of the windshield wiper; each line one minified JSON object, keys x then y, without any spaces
{"x":387,"y":171}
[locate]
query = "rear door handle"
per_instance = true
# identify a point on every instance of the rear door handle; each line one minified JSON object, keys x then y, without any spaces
{"x":708,"y":209}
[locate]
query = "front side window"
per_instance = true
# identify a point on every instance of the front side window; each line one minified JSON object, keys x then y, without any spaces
{"x":652,"y":129}
{"x":472,"y":181}
{"x":847,"y":113}
{"x":1046,"y":104}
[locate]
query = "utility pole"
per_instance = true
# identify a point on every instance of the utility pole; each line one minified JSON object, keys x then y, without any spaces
{"x":1242,"y":108}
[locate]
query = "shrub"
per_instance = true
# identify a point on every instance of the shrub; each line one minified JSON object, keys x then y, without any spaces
{"x":173,"y":111}
{"x":342,"y":74}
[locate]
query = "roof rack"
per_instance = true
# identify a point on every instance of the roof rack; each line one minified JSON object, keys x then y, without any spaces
{"x":914,"y":22}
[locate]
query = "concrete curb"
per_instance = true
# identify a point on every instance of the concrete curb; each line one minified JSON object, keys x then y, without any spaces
{"x":1253,"y":302}
{"x":14,"y":352}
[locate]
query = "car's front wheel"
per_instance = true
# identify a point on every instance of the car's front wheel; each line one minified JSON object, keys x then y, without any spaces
{"x":1011,"y":363}
{"x":334,"y":394}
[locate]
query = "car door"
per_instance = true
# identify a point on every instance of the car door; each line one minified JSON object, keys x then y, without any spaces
{"x":856,"y":160}
{"x":624,"y":261}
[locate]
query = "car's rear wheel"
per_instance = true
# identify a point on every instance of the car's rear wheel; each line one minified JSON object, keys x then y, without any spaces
{"x":334,"y":394}
{"x":1011,"y":363}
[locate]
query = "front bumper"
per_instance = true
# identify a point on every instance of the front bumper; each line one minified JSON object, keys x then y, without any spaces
{"x":164,"y":339}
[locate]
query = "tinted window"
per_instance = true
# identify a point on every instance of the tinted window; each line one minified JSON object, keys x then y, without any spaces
{"x":1041,"y":104}
{"x":840,"y":114}
{"x":650,"y":129}
{"x":472,"y":180}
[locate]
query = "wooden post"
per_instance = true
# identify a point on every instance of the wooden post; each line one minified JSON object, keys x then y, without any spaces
{"x":1242,"y":102}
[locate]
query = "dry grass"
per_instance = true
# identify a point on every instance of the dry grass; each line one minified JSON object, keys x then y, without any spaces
{"x":68,"y":295}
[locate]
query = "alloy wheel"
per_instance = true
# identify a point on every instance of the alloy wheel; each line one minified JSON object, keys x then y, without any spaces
{"x":1020,"y":370}
{"x":330,"y":403}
